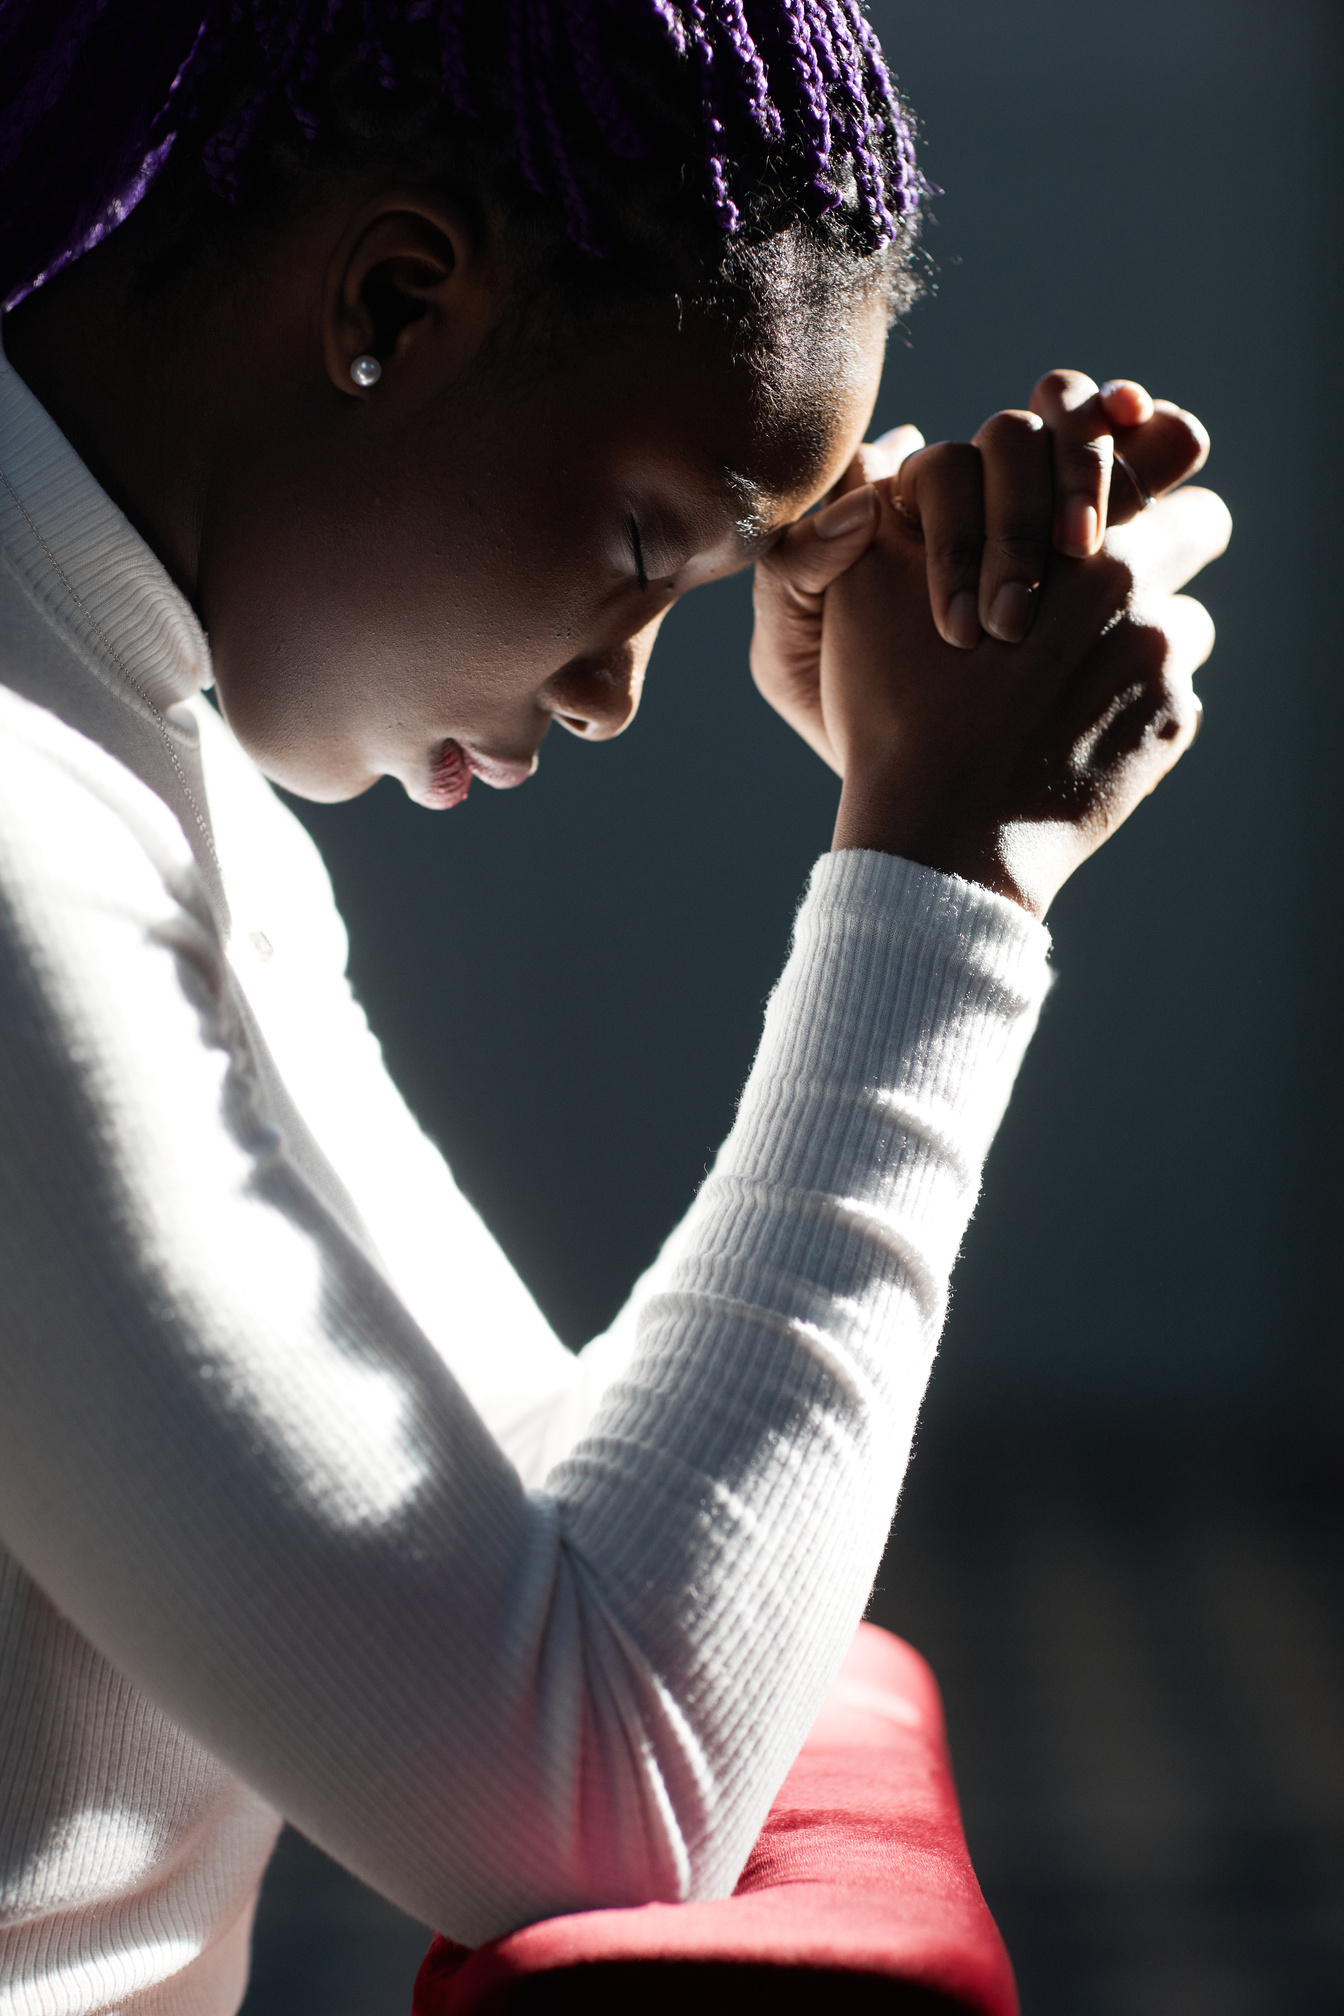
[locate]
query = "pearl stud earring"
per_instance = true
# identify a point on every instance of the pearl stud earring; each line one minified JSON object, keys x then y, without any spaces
{"x":366,"y":371}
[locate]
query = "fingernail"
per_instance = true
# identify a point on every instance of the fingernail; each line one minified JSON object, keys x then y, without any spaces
{"x":1078,"y":527}
{"x":963,"y":621}
{"x":1108,"y":390}
{"x":1010,"y":613}
{"x":847,"y":514}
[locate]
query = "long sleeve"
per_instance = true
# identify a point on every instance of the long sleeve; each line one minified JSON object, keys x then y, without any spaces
{"x":230,"y":1456}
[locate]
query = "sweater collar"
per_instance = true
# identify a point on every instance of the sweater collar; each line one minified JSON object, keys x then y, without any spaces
{"x":85,"y":562}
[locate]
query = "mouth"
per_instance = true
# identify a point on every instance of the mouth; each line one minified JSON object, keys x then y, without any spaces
{"x":453,"y":769}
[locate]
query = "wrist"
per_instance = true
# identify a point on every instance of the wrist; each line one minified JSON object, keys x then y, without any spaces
{"x":1001,"y":858}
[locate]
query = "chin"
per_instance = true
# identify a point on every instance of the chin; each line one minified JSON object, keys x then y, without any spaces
{"x":325,"y":777}
{"x":320,"y":790}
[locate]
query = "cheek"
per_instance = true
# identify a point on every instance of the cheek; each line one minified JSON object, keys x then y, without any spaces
{"x":350,"y":632}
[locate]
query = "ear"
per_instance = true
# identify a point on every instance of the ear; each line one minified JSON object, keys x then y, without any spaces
{"x":407,"y":285}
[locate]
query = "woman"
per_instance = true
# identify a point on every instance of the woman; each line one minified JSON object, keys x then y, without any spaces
{"x":422,"y":356}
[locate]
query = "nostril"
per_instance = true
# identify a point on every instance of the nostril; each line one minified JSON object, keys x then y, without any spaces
{"x":597,"y":712}
{"x":597,"y":697}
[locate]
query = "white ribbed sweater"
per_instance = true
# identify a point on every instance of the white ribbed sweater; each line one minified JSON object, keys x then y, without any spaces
{"x":304,"y":1510}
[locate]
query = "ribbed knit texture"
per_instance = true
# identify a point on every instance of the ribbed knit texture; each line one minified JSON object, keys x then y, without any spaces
{"x":306,"y":1511}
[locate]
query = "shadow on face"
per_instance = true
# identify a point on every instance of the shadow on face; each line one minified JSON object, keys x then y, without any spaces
{"x":414,"y":571}
{"x":453,"y":562}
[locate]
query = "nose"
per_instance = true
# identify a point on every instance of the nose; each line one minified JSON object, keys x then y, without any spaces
{"x":597,"y":695}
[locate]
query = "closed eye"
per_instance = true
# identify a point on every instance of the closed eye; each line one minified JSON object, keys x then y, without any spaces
{"x":637,"y":548}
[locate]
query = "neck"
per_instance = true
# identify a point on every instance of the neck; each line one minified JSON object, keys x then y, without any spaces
{"x":123,"y":389}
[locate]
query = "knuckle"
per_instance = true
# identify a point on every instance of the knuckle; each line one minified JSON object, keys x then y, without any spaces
{"x":950,"y":458}
{"x":1164,"y":701}
{"x":1150,"y":656}
{"x":1182,"y":427}
{"x":958,"y":557}
{"x":1177,"y":436}
{"x":1024,"y":547}
{"x":1170,"y":712}
{"x":1157,"y":663}
{"x":1065,"y":388}
{"x":1145,"y":713}
{"x":789,"y":570}
{"x":1088,"y":459}
{"x":1116,"y":578}
{"x":1010,"y":428}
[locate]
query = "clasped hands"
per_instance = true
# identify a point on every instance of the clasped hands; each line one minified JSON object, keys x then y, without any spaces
{"x":986,"y":640}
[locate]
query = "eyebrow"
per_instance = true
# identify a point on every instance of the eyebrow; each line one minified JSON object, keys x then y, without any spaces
{"x":749,"y":527}
{"x":753,"y":532}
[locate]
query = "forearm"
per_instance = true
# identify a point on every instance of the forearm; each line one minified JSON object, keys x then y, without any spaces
{"x":734,"y":1494}
{"x":232,"y":1461}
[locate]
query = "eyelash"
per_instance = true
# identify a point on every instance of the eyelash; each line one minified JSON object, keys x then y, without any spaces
{"x":637,"y":545}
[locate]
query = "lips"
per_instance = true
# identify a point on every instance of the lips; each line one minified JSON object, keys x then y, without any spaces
{"x":496,"y":772}
{"x":455,"y":766}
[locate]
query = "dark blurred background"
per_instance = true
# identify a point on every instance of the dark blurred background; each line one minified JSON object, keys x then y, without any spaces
{"x":1119,"y":1542}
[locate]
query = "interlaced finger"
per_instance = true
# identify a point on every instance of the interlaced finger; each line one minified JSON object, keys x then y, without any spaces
{"x":1071,"y":407}
{"x":1152,"y":458}
{"x":1141,"y":697}
{"x":1016,"y":454}
{"x":1166,"y":546}
{"x":941,"y":489}
{"x":873,"y":460}
{"x":885,"y":456}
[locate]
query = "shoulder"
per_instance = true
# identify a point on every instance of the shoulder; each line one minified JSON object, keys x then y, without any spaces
{"x":112,"y":967}
{"x":73,"y":815}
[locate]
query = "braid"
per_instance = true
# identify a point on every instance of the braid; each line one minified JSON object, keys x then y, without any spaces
{"x":751,"y":73}
{"x":578,"y":221}
{"x":845,"y":60}
{"x":48,"y":79}
{"x":813,"y":96}
{"x":453,"y":72}
{"x":725,"y":210}
{"x":634,"y":123}
{"x":518,"y":83}
{"x":600,"y":96}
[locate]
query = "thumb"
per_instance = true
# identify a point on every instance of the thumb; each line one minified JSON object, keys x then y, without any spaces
{"x":884,"y":456}
{"x":818,"y":550}
{"x":875,"y":459}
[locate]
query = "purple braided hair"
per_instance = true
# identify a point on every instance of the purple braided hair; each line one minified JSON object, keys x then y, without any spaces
{"x":909,"y":187}
{"x":454,"y":73}
{"x":847,"y":71}
{"x":600,"y":95}
{"x":799,"y":62}
{"x":93,"y":102}
{"x":518,"y":85}
{"x":577,"y":215}
{"x":752,"y":80}
{"x":48,"y":81}
{"x":725,"y":210}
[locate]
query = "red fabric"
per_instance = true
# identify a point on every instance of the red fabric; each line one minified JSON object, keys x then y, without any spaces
{"x":860,"y":1881}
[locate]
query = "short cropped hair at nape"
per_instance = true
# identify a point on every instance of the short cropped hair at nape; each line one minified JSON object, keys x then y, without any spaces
{"x":620,"y":147}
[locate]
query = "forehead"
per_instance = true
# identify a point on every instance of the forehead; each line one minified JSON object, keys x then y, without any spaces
{"x":757,"y":436}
